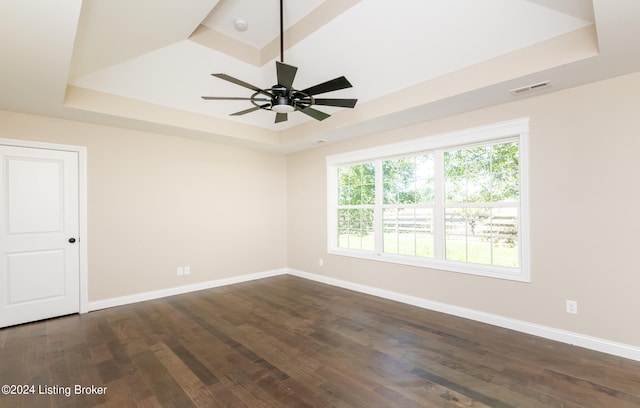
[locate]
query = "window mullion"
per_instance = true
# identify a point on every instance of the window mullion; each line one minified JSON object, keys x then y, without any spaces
{"x":438,"y":207}
{"x":377,"y":213}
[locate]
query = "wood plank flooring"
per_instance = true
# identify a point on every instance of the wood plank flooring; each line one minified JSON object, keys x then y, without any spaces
{"x":289,"y":342}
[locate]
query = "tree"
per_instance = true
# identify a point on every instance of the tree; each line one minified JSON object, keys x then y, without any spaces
{"x":356,"y":192}
{"x":408,"y":180}
{"x":483,"y":174}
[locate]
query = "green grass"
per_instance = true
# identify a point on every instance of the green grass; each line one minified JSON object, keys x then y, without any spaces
{"x":474,"y":251}
{"x":481,"y":252}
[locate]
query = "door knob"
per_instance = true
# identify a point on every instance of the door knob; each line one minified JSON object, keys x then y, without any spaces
{"x":72,"y":240}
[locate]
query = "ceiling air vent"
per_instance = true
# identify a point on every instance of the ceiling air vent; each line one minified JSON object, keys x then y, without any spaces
{"x":529,"y":88}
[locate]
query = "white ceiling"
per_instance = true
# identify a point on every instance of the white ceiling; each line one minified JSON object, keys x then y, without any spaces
{"x":263,"y":19}
{"x":145,"y":64}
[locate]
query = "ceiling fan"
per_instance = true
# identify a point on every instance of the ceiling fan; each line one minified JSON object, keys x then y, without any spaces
{"x":282,"y":97}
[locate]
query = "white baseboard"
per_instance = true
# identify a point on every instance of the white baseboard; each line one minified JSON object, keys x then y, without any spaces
{"x":157,"y":294}
{"x":577,"y":339}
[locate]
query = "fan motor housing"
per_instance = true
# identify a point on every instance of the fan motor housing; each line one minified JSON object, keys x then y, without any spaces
{"x":282,"y":98}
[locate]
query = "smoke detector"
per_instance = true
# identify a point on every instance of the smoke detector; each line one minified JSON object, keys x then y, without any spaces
{"x":240,"y":24}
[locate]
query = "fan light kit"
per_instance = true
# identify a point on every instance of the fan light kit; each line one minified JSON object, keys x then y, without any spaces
{"x":282,"y":98}
{"x":283,"y":108}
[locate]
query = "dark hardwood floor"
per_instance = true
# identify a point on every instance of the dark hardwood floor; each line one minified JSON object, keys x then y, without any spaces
{"x":289,"y":342}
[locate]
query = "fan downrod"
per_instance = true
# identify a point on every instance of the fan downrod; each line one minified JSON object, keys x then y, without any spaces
{"x":282,"y":98}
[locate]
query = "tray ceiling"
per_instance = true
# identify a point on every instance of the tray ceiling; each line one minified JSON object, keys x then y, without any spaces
{"x":145,"y":64}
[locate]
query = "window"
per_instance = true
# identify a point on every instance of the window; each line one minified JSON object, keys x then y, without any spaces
{"x":455,"y":202}
{"x":407,"y":205}
{"x":356,"y":192}
{"x":482,"y":190}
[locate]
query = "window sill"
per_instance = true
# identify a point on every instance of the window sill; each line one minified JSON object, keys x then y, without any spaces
{"x":514,"y":274}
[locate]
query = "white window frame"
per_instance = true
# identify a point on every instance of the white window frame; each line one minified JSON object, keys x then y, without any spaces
{"x":512,"y":130}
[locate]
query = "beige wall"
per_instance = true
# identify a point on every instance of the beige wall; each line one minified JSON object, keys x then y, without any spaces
{"x":585,"y":223}
{"x":157,"y":202}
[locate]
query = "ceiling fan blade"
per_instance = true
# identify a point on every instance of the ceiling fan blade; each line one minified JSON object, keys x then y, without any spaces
{"x":342,"y":103}
{"x":255,"y":108}
{"x":286,"y":74}
{"x":233,"y":98}
{"x":281,"y":117}
{"x":242,"y":83}
{"x":314,"y":113}
{"x":332,"y":85}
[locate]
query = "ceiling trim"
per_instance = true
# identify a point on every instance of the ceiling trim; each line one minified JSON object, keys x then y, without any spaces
{"x":577,"y":8}
{"x":119,"y":106}
{"x":565,"y":49}
{"x":309,"y":24}
{"x":103,"y":36}
{"x":218,"y":41}
{"x":574,"y":46}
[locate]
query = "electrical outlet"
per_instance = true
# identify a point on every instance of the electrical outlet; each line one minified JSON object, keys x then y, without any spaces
{"x":187,"y":270}
{"x":572,"y":307}
{"x":180,"y":271}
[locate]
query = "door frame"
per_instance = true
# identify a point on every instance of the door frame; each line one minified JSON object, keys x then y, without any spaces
{"x":81,"y":151}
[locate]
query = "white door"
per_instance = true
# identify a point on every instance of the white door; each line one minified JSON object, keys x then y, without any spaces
{"x":39,"y":250}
